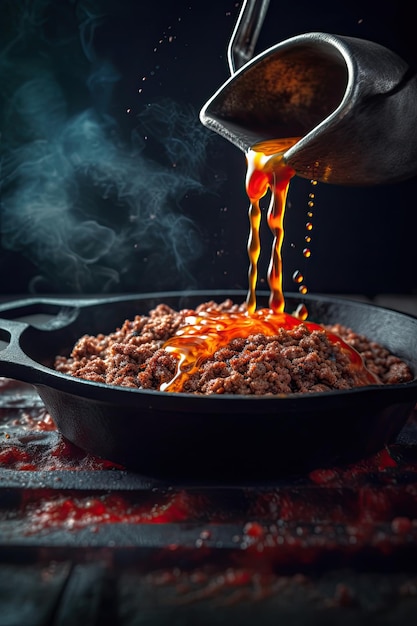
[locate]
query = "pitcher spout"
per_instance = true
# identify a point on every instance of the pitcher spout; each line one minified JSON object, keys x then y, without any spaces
{"x":351,"y":102}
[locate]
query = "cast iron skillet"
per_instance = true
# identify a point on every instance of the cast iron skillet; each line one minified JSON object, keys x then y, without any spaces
{"x":183,"y":436}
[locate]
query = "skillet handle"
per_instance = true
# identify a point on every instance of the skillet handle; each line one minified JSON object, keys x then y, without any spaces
{"x":16,"y":318}
{"x":14,"y":363}
{"x":44,"y":313}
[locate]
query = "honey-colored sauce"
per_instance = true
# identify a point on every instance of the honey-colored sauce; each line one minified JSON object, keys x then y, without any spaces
{"x":208,"y":331}
{"x":267,"y":171}
{"x":205,"y":333}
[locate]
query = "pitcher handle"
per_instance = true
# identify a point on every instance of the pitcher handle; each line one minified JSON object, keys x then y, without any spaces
{"x":246,"y":32}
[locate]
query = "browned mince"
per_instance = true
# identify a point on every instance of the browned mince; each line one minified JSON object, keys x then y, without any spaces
{"x":292,"y":361}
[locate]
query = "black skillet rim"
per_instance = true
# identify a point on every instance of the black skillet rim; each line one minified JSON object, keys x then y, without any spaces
{"x":46,"y":376}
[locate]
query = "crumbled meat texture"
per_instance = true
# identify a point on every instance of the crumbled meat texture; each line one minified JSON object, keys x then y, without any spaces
{"x":293,"y":361}
{"x":389,"y":368}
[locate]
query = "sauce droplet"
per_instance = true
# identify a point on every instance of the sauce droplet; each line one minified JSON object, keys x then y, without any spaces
{"x":297,"y":277}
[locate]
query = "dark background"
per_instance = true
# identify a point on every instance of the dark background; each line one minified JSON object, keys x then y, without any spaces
{"x":110,"y":184}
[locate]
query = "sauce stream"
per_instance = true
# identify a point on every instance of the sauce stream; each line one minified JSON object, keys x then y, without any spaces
{"x":267,"y":171}
{"x":204,"y":333}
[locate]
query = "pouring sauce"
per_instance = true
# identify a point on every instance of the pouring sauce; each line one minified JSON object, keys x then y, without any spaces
{"x":267,"y":171}
{"x":206,"y":332}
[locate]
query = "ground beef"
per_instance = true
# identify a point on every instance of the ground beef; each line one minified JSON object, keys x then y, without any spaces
{"x":292,"y":361}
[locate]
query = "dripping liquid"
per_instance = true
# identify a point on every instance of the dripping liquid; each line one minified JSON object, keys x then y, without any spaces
{"x":203,"y":334}
{"x":267,"y":171}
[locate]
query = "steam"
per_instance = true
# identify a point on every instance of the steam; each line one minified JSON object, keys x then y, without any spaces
{"x":91,"y":208}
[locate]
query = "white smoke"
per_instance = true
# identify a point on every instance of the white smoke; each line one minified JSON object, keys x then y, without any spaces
{"x":86,"y":205}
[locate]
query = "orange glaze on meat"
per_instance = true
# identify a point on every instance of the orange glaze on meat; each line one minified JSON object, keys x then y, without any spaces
{"x":205,"y":333}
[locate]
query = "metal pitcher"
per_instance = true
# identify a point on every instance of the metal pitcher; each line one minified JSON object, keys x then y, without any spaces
{"x":351,"y":102}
